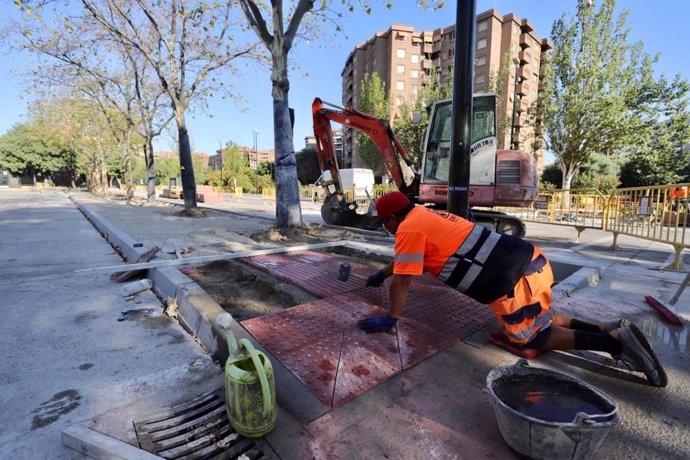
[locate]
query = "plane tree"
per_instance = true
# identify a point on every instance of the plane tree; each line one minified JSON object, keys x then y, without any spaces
{"x":277,"y":29}
{"x":601,"y":93}
{"x":190,"y":46}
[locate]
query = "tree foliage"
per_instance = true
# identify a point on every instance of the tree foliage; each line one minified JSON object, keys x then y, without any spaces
{"x":307,"y":166}
{"x":601,"y":91}
{"x":374,"y":100}
{"x":24,"y":150}
{"x":658,"y":157}
{"x":186,"y":44}
{"x":411,"y":132}
{"x":497,"y":83}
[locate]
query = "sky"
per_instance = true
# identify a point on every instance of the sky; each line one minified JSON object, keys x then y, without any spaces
{"x":661,"y":25}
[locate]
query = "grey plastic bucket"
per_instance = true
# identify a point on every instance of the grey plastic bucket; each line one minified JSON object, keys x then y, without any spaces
{"x":541,"y":439}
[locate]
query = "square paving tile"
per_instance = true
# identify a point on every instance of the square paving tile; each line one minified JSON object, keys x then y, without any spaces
{"x":319,"y":341}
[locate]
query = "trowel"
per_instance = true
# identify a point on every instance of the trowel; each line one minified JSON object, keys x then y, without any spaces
{"x":175,"y":246}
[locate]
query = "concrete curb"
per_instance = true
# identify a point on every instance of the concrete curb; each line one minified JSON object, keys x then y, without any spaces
{"x":584,"y":277}
{"x":197,"y":312}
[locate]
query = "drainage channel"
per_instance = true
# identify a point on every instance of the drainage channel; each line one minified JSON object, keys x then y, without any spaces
{"x":198,"y":430}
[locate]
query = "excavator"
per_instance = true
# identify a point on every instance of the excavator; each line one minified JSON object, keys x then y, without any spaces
{"x":497,"y":177}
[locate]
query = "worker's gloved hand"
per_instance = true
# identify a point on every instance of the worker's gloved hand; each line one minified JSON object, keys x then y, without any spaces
{"x":376,"y":279}
{"x":377,"y":324}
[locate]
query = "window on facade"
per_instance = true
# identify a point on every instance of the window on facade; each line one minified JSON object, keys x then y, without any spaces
{"x":481,"y":27}
{"x":414,"y":73}
{"x":414,"y":59}
{"x":481,"y":44}
{"x":401,"y":52}
{"x":400,"y":85}
{"x":414,"y":89}
{"x":479,"y":78}
{"x":480,"y":61}
{"x":400,"y":70}
{"x":398,"y":100}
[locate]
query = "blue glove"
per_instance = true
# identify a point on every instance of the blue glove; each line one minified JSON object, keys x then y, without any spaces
{"x":376,"y":279}
{"x":377,"y":324}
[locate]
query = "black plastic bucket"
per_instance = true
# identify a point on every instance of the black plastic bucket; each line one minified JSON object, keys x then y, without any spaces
{"x":547,"y":414}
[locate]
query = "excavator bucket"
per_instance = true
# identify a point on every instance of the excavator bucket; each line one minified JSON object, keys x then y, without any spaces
{"x":337,"y":211}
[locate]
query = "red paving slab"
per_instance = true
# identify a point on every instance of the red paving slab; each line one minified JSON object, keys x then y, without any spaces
{"x":319,"y":341}
{"x":366,"y":360}
{"x":314,"y":272}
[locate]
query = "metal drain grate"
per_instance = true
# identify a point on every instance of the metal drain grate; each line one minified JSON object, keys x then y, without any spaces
{"x":198,"y":430}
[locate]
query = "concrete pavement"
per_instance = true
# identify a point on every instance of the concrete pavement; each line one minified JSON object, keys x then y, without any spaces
{"x":65,"y":356}
{"x":438,"y":409}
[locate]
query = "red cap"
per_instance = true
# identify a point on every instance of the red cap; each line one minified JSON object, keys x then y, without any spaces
{"x":391,"y":203}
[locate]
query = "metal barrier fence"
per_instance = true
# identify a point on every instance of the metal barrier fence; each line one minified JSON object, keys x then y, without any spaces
{"x":656,"y":213}
{"x":651,"y":213}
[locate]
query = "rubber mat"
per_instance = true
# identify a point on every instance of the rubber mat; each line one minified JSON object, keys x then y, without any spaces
{"x":319,"y":341}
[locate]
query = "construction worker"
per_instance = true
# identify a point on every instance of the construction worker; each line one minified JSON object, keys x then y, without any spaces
{"x":510,"y":275}
{"x":679,"y":196}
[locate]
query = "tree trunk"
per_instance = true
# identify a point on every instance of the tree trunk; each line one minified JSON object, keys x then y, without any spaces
{"x":288,"y":210}
{"x":150,"y":170}
{"x":568,"y":174}
{"x":186,"y":167}
{"x":127,"y":164}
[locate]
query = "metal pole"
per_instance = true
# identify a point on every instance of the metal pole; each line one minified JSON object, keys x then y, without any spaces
{"x":220,"y":152}
{"x":512,"y":119}
{"x":256,"y":161}
{"x":463,"y":86}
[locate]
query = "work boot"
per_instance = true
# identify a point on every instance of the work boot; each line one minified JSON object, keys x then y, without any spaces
{"x":638,"y":351}
{"x":613,"y":325}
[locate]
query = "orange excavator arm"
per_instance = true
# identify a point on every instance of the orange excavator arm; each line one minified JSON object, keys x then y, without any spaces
{"x":377,"y":129}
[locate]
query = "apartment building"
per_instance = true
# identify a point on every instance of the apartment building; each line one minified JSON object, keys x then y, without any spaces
{"x":256,"y":157}
{"x":310,"y":143}
{"x":405,"y":59}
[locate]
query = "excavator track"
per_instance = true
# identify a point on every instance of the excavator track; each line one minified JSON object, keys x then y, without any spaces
{"x":500,"y":222}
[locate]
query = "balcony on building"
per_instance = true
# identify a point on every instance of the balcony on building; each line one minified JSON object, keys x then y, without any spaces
{"x":525,"y":40}
{"x":526,"y":26}
{"x":523,"y":73}
{"x":545,"y":45}
{"x":525,"y":57}
{"x":522,"y":88}
{"x":519,"y":120}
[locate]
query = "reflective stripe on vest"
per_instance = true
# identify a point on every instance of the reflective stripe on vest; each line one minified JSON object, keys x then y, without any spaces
{"x":452,"y":262}
{"x":526,"y":333}
{"x":468,"y":246}
{"x":487,"y":264}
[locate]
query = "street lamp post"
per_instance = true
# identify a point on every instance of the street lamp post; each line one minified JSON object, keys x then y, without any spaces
{"x":256,"y":160}
{"x":512,"y":118}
